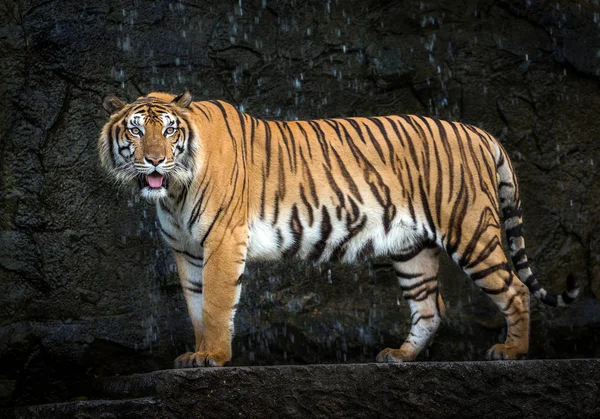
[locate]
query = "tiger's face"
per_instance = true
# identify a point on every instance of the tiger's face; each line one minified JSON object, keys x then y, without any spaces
{"x":149,"y":141}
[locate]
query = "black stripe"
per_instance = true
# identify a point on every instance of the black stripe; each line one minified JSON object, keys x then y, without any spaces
{"x":418,"y":284}
{"x":307,"y":205}
{"x":425,"y":142}
{"x":296,"y":229}
{"x":409,"y":141}
{"x":375,"y":143}
{"x":268,"y":146}
{"x":326,"y":229}
{"x":439,"y":187}
{"x":532,"y":283}
{"x":240,"y":280}
{"x":112,"y":141}
{"x":253,"y":121}
{"x":480,"y":232}
{"x":197,"y":289}
{"x":198,"y":107}
{"x":262,"y":196}
{"x":486,"y":272}
{"x":566,"y":298}
{"x":448,"y":150}
{"x":311,"y":182}
{"x":405,"y":275}
{"x":284,"y":137}
{"x":500,"y":162}
{"x":356,"y":127}
{"x":421,"y":295}
{"x":347,"y":177}
{"x":516,"y":231}
{"x":340,"y":250}
{"x":395,"y":128}
{"x":197,"y":210}
{"x":550,"y":299}
{"x":522,"y":265}
{"x":383,"y":131}
{"x":281,"y":176}
{"x":518,"y":256}
{"x":276,"y":206}
{"x":407,"y":256}
{"x":165,"y":208}
{"x":423,"y":317}
{"x":334,"y":125}
{"x":212,"y":224}
{"x":504,"y":288}
{"x":461,"y":147}
{"x":322,"y":141}
{"x":355,"y":212}
{"x":306,"y":140}
{"x":510,"y":212}
{"x":484,"y":254}
{"x":335,"y":187}
{"x":425,"y":206}
{"x":509,"y":303}
{"x":170,"y":237}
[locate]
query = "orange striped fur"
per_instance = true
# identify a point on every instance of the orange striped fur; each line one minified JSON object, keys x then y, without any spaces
{"x":231,"y":188}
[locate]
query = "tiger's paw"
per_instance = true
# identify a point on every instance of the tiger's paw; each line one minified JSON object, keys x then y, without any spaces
{"x":501,"y":351}
{"x":201,"y":359}
{"x":390,"y":355}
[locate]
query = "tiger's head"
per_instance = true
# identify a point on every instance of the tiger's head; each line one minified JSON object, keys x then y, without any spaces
{"x":149,"y":141}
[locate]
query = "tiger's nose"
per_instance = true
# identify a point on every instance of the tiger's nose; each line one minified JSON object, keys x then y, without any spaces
{"x":154,"y":160}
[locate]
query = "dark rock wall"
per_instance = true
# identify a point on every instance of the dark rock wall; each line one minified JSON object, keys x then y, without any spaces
{"x":86,"y":282}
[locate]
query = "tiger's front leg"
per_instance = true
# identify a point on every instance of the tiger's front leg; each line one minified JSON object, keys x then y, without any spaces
{"x":213,"y":309}
{"x":190,"y":269}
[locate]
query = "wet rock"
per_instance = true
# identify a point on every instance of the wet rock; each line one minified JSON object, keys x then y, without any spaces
{"x":411,"y":390}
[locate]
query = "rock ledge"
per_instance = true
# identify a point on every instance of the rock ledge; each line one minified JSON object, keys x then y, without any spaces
{"x":551,"y":388}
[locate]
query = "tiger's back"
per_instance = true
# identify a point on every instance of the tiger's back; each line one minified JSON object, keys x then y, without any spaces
{"x":406,"y":187}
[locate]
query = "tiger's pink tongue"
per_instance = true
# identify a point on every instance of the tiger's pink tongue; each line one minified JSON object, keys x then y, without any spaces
{"x":155,"y":180}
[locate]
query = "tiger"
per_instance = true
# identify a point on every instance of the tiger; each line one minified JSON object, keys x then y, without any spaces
{"x":230,"y":188}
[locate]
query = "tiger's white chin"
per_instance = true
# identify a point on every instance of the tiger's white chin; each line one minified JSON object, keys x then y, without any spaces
{"x":153,"y":194}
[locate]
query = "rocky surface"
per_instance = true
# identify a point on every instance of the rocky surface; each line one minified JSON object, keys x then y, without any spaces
{"x":86,"y":287}
{"x":415,"y":390}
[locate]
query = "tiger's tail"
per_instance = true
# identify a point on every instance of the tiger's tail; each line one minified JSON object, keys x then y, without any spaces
{"x":510,"y":204}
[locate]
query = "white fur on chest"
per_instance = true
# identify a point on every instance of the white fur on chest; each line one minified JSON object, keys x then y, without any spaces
{"x":174,"y":228}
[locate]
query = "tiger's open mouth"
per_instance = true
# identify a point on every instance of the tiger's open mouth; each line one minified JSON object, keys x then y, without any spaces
{"x":153,"y":181}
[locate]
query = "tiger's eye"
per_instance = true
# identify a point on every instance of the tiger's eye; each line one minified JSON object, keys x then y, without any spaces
{"x":170,"y":131}
{"x":135,"y":131}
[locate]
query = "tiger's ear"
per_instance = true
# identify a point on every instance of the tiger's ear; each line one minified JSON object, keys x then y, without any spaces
{"x":183,"y":99}
{"x":112,"y":104}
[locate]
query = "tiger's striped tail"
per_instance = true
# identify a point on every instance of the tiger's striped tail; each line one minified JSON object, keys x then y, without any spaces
{"x":510,"y":204}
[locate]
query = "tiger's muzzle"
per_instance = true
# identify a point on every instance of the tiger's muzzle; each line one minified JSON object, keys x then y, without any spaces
{"x":153,"y":177}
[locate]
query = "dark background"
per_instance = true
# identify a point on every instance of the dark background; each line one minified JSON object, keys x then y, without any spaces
{"x":87,"y":289}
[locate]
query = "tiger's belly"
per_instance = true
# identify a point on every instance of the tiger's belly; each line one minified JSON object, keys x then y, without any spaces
{"x":330,"y":238}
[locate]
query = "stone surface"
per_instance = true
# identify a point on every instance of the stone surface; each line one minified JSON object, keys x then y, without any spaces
{"x":87,"y":288}
{"x":505,"y":389}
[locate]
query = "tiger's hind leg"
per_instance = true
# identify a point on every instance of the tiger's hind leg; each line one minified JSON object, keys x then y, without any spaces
{"x":488,"y":267}
{"x":417,"y":275}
